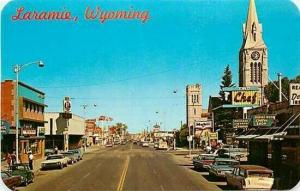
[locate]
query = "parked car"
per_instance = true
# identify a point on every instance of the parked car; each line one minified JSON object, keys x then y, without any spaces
{"x":240,"y":154}
{"x":203,"y":162}
{"x":145,"y":144}
{"x":49,"y":152}
{"x":55,"y":161}
{"x":11,"y":181}
{"x":250,"y":177}
{"x":78,"y":154}
{"x":222,"y":165}
{"x":162,"y":145}
{"x":70,"y":156}
{"x":23,"y":170}
{"x":109,"y":144}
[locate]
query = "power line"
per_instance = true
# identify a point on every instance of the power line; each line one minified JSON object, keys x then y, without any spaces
{"x":116,"y":81}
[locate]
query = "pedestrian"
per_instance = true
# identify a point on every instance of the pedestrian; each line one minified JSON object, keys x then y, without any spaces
{"x":30,"y":158}
{"x":8,"y":159}
{"x":56,"y":150}
{"x":13,"y":158}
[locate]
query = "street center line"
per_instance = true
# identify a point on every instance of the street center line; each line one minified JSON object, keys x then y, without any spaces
{"x":124,"y":172}
{"x":162,"y":188}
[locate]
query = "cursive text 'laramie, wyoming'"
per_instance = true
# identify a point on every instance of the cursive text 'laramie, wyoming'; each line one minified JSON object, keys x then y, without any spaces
{"x":89,"y":15}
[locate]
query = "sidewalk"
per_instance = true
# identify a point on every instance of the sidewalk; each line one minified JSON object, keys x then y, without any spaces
{"x":37,"y":162}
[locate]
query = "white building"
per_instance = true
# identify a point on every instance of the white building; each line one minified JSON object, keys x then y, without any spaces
{"x":63,"y":133}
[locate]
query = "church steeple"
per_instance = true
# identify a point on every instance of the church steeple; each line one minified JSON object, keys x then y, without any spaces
{"x":252,"y":29}
{"x":253,"y":56}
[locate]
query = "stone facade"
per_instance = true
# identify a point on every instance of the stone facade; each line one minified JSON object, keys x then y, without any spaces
{"x":253,"y":56}
{"x":193,"y":103}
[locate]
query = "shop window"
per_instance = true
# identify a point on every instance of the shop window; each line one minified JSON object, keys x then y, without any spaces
{"x":33,"y":146}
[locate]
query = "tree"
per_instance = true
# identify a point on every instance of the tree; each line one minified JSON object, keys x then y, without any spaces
{"x":272,"y":93}
{"x":120,"y":127}
{"x":183,"y":133}
{"x":226,"y":80}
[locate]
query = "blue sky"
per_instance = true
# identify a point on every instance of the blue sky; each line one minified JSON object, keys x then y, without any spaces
{"x":130,"y":69}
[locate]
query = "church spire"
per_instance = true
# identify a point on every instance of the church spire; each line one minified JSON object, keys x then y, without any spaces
{"x":252,"y":29}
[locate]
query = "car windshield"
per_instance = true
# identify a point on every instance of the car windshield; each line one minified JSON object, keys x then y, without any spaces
{"x":259,"y":174}
{"x":18,"y":167}
{"x":67,"y":154}
{"x":207,"y":158}
{"x":226,"y":163}
{"x":4,"y":175}
{"x":54,"y":157}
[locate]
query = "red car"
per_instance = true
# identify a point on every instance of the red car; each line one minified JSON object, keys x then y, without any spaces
{"x":11,"y":181}
{"x":203,"y":162}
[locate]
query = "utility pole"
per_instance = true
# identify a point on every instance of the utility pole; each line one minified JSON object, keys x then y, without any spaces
{"x":280,"y":87}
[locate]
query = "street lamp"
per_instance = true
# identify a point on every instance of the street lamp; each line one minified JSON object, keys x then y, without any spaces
{"x":17,"y":70}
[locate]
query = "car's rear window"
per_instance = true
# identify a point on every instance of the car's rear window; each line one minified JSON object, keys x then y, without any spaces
{"x":54,"y":157}
{"x":259,"y":174}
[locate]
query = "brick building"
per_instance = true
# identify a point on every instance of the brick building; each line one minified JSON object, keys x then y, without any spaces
{"x":31,"y":119}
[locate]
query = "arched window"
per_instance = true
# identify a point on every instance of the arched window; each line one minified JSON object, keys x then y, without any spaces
{"x":255,"y":72}
{"x":251,"y":72}
{"x":259,"y":72}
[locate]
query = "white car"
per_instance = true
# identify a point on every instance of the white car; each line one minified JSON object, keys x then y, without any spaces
{"x":145,"y":144}
{"x":250,"y":177}
{"x":163,"y":145}
{"x":55,"y":161}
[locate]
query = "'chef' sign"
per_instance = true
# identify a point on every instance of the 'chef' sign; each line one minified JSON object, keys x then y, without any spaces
{"x":245,"y":97}
{"x":294,"y":94}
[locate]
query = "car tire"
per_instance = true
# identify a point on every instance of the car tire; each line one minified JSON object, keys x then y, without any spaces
{"x":61,"y":166}
{"x":26,"y":182}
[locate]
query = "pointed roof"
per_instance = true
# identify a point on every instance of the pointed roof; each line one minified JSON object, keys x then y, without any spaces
{"x":253,"y":29}
{"x":251,"y":18}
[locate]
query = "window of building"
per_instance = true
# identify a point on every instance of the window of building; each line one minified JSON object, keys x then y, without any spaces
{"x":255,"y":72}
{"x":195,"y":111}
{"x":259,"y":72}
{"x":251,"y":72}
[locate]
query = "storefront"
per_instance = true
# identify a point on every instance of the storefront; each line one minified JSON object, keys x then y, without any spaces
{"x":32,"y":139}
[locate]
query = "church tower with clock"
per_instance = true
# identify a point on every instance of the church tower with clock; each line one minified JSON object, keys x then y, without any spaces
{"x":253,"y":56}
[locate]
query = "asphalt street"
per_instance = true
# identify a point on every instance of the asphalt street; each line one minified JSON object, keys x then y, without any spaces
{"x":123,"y":167}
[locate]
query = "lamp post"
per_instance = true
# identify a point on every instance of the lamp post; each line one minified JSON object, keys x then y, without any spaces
{"x":17,"y":70}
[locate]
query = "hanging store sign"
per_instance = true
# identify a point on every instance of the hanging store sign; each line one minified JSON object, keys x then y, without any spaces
{"x":213,"y":136}
{"x":294,"y":96}
{"x":241,"y":96}
{"x":263,"y":120}
{"x":203,"y":124}
{"x":248,"y":97}
{"x":240,"y":123}
{"x":41,"y":131}
{"x":67,"y":105}
{"x":29,"y":131}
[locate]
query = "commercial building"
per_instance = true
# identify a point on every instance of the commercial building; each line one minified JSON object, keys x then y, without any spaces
{"x":31,"y":119}
{"x":93,"y":133}
{"x":63,"y":132}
